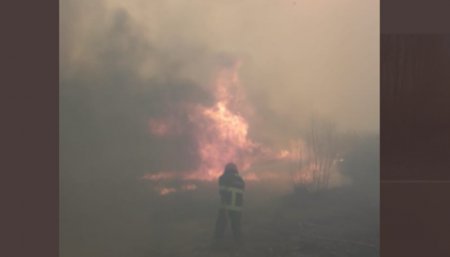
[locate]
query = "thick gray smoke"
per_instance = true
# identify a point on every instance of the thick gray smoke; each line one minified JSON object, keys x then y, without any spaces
{"x":318,"y":56}
{"x":125,"y":62}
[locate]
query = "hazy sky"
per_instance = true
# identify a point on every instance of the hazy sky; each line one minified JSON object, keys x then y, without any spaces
{"x":298,"y":57}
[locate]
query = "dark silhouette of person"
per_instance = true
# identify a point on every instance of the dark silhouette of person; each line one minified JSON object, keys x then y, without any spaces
{"x":231,"y":189}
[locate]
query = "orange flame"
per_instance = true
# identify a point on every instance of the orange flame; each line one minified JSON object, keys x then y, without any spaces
{"x":222,"y":134}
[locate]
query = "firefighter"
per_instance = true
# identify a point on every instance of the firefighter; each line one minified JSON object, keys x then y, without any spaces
{"x":231,"y":189}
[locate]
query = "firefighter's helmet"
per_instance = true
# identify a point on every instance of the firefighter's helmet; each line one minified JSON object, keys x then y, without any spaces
{"x":231,"y":168}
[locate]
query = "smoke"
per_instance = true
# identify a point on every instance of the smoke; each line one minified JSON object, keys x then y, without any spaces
{"x":131,"y":71}
{"x":314,"y":56}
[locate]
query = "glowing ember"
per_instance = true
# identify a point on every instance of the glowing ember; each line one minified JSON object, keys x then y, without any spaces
{"x":159,"y":176}
{"x":188,"y":187}
{"x":166,"y":190}
{"x":163,"y":191}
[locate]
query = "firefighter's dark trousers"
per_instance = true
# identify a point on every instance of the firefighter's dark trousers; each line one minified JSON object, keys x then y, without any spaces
{"x":222,"y":221}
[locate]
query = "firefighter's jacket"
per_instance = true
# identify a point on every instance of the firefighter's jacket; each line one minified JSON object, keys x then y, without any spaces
{"x":231,"y":192}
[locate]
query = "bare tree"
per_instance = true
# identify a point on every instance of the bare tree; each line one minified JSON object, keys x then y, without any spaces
{"x":322,"y":151}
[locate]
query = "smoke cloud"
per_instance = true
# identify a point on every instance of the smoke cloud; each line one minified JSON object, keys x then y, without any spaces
{"x":143,"y":59}
{"x":131,"y":71}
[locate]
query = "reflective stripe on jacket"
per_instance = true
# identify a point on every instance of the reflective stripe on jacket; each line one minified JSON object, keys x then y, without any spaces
{"x":232,"y":192}
{"x":236,"y":195}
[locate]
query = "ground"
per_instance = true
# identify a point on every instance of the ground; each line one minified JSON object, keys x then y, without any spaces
{"x":337,"y":223}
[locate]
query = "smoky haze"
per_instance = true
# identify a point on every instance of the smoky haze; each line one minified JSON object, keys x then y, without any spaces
{"x":298,"y":56}
{"x":123,"y":63}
